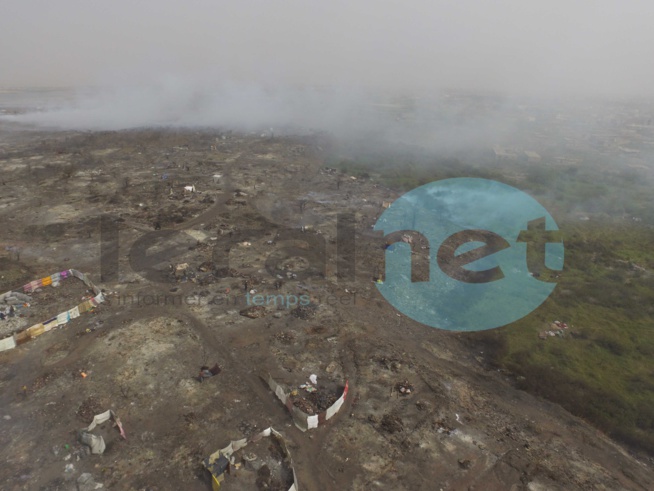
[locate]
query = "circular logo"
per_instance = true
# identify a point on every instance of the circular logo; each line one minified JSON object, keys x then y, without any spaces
{"x":468,"y":254}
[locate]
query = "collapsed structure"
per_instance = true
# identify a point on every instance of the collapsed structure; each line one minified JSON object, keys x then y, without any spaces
{"x":94,"y":442}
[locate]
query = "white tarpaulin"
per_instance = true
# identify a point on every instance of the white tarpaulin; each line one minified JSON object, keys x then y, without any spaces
{"x":97,"y":442}
{"x":7,"y":343}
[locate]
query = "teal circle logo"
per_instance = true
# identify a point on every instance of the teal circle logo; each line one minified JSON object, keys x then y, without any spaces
{"x":468,"y":254}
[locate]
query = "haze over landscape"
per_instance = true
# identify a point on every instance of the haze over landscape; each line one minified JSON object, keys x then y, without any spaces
{"x":183,"y":160}
{"x":266,"y":62}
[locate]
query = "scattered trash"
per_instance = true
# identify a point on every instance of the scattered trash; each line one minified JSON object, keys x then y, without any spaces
{"x":313,"y":378}
{"x":94,"y":442}
{"x":206,"y":372}
{"x":308,"y":388}
{"x":404,"y":388}
{"x":180,"y":269}
{"x":85,"y":482}
{"x":556,"y":328}
{"x":442,"y":427}
{"x":14,"y":298}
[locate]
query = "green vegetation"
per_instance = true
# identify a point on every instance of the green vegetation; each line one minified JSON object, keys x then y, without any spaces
{"x":603,"y":368}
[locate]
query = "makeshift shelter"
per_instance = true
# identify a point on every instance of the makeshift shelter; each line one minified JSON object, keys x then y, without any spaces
{"x":58,"y":320}
{"x":220,"y":462}
{"x":301,"y":419}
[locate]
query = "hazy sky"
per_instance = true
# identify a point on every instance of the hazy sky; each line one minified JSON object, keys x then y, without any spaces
{"x":515,"y":46}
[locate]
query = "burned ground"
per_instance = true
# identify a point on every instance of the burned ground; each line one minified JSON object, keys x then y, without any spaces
{"x":189,"y":264}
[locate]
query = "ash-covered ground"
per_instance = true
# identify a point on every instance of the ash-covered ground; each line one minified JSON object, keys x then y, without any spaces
{"x":244,"y":270}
